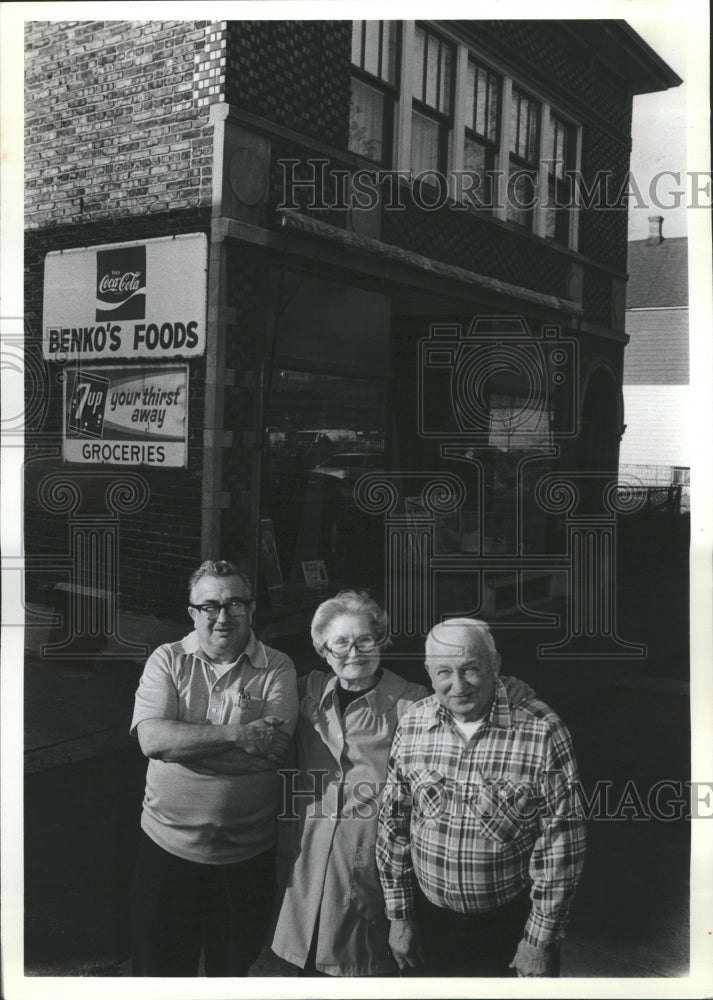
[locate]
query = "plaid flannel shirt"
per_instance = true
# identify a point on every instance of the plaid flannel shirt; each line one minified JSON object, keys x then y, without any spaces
{"x":476,"y":822}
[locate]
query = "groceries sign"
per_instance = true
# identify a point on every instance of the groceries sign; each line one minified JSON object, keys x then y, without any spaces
{"x":130,"y":415}
{"x":128,"y":300}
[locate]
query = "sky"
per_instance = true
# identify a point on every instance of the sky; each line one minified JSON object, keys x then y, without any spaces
{"x":659,"y":130}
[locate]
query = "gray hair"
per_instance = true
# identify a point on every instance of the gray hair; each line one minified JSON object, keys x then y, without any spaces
{"x":349,"y":602}
{"x":219,"y":567}
{"x":481,"y":631}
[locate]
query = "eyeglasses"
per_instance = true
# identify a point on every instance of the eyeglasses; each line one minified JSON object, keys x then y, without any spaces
{"x":341,"y":648}
{"x":236,"y":608}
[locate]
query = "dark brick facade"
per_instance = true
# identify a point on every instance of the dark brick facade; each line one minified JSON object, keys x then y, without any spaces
{"x":119,"y":146}
{"x":294,"y":73}
{"x":245,"y":348}
{"x":167,"y":532}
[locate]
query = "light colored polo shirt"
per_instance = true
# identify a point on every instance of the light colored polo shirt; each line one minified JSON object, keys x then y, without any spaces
{"x":188,"y":809}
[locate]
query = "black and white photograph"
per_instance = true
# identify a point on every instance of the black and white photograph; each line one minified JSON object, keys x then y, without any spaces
{"x":356,"y":499}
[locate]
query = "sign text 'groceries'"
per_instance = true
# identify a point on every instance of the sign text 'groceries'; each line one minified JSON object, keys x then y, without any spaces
{"x":127,"y":416}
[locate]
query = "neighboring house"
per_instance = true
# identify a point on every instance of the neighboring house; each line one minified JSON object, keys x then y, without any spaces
{"x":259,"y":141}
{"x":656,"y":445}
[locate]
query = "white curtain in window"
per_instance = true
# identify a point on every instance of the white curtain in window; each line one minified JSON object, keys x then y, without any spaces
{"x":424,"y":143}
{"x":366,"y":121}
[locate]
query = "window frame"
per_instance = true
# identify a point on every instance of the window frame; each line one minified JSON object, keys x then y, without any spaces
{"x":523,"y":162}
{"x":402,"y":100}
{"x":444,"y":119}
{"x":491,"y":146}
{"x":560,"y":187}
{"x":387,"y":88}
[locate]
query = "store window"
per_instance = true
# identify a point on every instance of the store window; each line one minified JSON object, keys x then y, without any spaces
{"x":323,"y":432}
{"x":524,"y":143}
{"x":432,"y":108}
{"x":373,"y":88}
{"x":482,"y":128}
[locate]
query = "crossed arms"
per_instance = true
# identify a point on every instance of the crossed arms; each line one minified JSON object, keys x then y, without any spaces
{"x":228,"y":748}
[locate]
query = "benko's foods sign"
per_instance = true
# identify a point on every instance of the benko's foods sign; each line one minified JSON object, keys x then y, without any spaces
{"x":130,"y":415}
{"x":128,"y":300}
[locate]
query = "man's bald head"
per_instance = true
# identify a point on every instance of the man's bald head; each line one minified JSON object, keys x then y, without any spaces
{"x":461,"y":639}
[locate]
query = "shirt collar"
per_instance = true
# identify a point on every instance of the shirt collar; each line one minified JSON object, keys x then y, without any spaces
{"x":254,"y":650}
{"x":328,"y":693}
{"x":388,"y":685}
{"x":499,"y":714}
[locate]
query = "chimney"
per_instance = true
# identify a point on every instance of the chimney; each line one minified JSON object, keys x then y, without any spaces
{"x":655,"y":224}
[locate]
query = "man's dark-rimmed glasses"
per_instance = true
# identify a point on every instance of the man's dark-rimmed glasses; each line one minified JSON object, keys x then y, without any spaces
{"x":237,"y":607}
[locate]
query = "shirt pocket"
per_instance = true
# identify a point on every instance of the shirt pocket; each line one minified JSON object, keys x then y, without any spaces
{"x":503,"y":810}
{"x":249,"y":711}
{"x":430,"y":794}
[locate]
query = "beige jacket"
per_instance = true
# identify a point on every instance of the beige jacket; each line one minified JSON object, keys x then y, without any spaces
{"x":327,"y":852}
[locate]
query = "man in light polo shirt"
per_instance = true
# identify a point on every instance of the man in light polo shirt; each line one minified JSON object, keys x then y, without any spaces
{"x":215,"y":713}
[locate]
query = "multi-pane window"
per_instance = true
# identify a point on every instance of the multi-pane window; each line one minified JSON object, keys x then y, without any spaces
{"x":498,"y":126}
{"x":561,"y":159}
{"x":524,"y":142}
{"x":482,"y":128}
{"x":433,"y":66}
{"x":374,"y":68}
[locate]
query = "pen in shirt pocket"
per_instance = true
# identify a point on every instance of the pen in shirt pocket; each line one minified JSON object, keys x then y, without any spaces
{"x":243,"y":698}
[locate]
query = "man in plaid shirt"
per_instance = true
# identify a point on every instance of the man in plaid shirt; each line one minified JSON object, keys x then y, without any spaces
{"x":480,"y":847}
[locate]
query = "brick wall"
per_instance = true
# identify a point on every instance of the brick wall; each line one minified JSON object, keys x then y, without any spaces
{"x":118,"y":147}
{"x":294,"y":73}
{"x":548,"y":56}
{"x":116,"y":118}
{"x":247,"y":296}
{"x":159,"y":545}
{"x":558,"y":62}
{"x":460,"y":238}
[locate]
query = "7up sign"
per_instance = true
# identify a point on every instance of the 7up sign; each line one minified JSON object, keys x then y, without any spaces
{"x":87,"y":398}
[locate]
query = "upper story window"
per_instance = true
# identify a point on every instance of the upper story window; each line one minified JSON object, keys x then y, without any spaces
{"x":561,"y":158}
{"x":432,"y":107}
{"x":524,"y":155}
{"x":482,"y":128}
{"x":374,"y":69}
{"x":498,"y":147}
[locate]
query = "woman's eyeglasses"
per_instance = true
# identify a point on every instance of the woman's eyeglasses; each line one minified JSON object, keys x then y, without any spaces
{"x":342,"y":647}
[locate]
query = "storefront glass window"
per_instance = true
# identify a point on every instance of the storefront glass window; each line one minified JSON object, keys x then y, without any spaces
{"x":322,"y":433}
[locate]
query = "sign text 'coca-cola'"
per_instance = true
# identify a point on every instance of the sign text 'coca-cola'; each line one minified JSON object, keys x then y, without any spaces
{"x":129,"y":300}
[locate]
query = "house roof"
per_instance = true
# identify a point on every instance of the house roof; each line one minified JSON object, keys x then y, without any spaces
{"x":658,"y":274}
{"x":626,"y":52}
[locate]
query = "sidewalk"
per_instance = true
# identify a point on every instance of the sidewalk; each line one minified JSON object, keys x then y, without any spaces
{"x":629,"y":721}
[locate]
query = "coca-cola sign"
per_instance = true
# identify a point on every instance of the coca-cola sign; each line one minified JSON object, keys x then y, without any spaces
{"x":121,"y":283}
{"x":144,"y":299}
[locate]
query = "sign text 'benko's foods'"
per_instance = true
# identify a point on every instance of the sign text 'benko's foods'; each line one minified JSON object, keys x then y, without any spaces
{"x":129,"y":300}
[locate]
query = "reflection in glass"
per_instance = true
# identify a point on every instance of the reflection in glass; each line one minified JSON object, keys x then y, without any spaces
{"x":323,"y":433}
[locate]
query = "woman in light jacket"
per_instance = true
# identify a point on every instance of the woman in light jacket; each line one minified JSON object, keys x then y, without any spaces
{"x":332,"y":920}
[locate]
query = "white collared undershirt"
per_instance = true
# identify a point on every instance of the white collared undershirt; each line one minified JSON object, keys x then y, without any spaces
{"x":223,"y":668}
{"x":469,"y":729}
